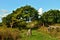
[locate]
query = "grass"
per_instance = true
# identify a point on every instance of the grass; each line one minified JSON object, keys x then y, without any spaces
{"x":38,"y":36}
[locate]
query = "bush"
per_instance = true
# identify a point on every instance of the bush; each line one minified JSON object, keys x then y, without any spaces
{"x":9,"y":34}
{"x":57,"y":29}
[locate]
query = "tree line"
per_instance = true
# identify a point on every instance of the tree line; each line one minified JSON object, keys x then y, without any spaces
{"x":27,"y":17}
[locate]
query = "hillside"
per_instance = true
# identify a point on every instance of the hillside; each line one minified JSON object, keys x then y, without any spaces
{"x":38,"y":36}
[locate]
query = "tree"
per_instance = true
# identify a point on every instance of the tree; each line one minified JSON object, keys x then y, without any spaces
{"x":8,"y":20}
{"x":51,"y":17}
{"x":21,"y":16}
{"x":4,"y":21}
{"x":0,"y":24}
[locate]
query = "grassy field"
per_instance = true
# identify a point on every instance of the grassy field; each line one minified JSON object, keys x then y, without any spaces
{"x":38,"y":36}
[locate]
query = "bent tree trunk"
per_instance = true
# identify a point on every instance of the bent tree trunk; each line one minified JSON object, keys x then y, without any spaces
{"x":11,"y":25}
{"x":29,"y":33}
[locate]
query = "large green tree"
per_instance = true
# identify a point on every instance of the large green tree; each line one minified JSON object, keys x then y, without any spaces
{"x":21,"y":16}
{"x":51,"y":17}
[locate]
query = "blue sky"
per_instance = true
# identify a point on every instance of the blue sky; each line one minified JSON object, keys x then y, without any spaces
{"x":7,"y":6}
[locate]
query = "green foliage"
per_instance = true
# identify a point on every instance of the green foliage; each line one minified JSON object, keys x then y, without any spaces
{"x":32,"y":24}
{"x":27,"y":12}
{"x":20,"y":16}
{"x":0,"y":24}
{"x":51,"y":17}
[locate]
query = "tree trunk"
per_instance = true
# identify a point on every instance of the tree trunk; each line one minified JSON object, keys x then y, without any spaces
{"x":29,"y":33}
{"x":11,"y":25}
{"x":43,"y":24}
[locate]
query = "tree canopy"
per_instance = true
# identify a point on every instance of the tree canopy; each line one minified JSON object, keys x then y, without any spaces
{"x":21,"y":16}
{"x":51,"y":17}
{"x":27,"y":15}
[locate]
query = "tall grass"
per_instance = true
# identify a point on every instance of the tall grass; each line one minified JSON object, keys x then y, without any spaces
{"x":9,"y":33}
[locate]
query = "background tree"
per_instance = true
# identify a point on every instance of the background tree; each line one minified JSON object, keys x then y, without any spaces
{"x":51,"y":17}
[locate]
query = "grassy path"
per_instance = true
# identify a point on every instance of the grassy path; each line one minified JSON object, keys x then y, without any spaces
{"x":38,"y":36}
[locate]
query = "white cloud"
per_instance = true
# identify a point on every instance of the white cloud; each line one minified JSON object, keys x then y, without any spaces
{"x":4,"y":11}
{"x":40,"y":11}
{"x":4,"y":15}
{"x":1,"y":16}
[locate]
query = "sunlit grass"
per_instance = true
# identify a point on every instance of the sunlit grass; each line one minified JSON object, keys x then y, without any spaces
{"x":38,"y":36}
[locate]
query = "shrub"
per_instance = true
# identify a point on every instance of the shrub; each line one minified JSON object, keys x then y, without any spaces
{"x":9,"y":34}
